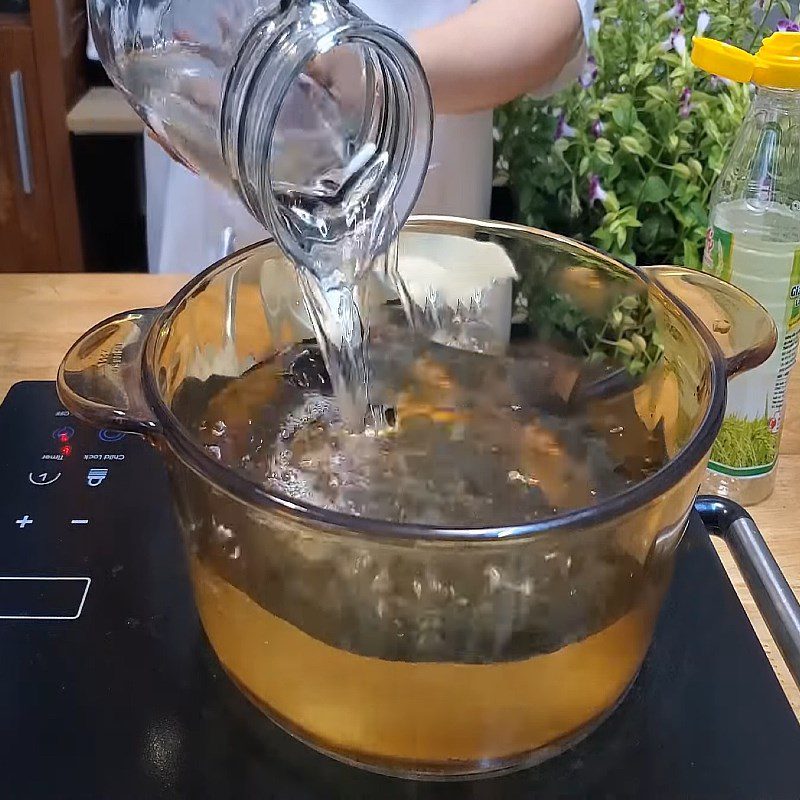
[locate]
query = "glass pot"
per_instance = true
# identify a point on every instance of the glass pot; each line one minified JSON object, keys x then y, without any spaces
{"x":406,"y":648}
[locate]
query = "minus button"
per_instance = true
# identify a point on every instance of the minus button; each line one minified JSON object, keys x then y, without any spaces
{"x":80,"y":521}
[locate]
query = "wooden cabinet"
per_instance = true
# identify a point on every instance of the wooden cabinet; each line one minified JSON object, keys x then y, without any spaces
{"x":27,"y":224}
{"x":39,"y":230}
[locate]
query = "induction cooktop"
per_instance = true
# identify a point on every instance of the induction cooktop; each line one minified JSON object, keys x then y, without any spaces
{"x":109,"y":689}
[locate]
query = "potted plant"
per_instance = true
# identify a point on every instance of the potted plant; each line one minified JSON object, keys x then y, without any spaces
{"x":627,"y":157}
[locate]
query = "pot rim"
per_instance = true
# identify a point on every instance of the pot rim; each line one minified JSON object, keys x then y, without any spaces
{"x":635,"y":497}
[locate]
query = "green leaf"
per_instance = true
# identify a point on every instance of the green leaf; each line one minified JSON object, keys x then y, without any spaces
{"x":631,"y":145}
{"x":525,"y":195}
{"x":603,"y":238}
{"x":560,"y":146}
{"x":682,"y":170}
{"x":658,"y":92}
{"x":690,"y":256}
{"x":611,"y":203}
{"x":655,"y":190}
{"x":648,"y":234}
{"x":623,"y":113}
{"x":628,"y":218}
{"x":603,"y":145}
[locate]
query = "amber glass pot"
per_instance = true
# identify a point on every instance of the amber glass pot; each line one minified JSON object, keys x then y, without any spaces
{"x":404,"y":648}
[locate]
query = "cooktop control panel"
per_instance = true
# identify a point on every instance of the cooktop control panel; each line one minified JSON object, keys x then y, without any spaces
{"x":110,"y":691}
{"x":62,"y":486}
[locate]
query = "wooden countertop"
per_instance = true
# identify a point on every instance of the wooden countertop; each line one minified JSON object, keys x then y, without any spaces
{"x":103,"y":110}
{"x":42,"y":315}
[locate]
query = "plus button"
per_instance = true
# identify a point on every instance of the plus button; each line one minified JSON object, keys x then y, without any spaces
{"x":26,"y":520}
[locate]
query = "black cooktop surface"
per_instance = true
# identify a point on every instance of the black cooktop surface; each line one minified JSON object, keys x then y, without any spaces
{"x":109,"y":691}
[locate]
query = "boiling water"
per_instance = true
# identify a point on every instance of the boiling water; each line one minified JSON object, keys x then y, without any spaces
{"x":467,"y":439}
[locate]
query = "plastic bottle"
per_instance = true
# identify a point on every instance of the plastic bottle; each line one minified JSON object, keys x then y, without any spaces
{"x":754,"y":242}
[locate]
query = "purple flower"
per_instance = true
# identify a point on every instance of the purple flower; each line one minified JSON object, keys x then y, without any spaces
{"x":597,"y":129}
{"x":717,"y":82}
{"x":703,"y":21}
{"x":677,"y":11}
{"x":676,"y":42}
{"x":685,"y":107}
{"x":596,"y":191}
{"x":589,"y":74}
{"x":788,"y":25}
{"x":563,"y":130}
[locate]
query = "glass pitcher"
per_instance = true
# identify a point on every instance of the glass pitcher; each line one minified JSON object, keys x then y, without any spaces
{"x":303,"y":108}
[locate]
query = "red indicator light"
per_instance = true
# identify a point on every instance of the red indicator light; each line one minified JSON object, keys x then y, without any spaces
{"x":63,"y":437}
{"x":66,"y":450}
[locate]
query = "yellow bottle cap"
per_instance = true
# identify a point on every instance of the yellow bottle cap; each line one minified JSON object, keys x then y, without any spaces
{"x":776,"y":64}
{"x":722,"y":59}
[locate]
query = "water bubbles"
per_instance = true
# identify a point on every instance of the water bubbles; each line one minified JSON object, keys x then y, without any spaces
{"x":463,"y":439}
{"x":515,"y":476}
{"x":381,"y":583}
{"x":219,"y":428}
{"x":226,"y":540}
{"x":214,"y":450}
{"x":494,"y":578}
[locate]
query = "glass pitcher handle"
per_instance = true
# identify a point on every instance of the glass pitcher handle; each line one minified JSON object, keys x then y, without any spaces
{"x":100,"y":378}
{"x":774,"y":597}
{"x":743,"y":328}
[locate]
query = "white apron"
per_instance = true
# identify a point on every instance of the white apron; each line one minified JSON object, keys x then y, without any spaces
{"x":191,"y":223}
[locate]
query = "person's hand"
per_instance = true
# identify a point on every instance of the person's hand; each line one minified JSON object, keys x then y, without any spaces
{"x":340,"y":73}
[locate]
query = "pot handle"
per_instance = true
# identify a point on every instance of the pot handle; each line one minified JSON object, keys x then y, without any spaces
{"x":743,"y":328}
{"x":100,"y":378}
{"x":773,"y":595}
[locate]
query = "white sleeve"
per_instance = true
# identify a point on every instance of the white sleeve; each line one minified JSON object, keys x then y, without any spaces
{"x":572,"y":69}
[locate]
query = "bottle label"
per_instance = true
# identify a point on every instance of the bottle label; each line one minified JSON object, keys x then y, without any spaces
{"x":717,"y":256}
{"x":747,"y":445}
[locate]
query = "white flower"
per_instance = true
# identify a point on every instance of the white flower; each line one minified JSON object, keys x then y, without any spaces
{"x":703,"y":21}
